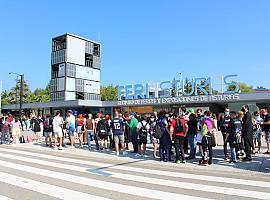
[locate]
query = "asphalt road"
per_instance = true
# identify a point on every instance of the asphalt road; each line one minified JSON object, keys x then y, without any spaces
{"x":33,"y":171}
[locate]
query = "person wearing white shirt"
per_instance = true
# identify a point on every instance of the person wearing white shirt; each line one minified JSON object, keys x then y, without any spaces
{"x":143,"y":128}
{"x":57,"y":129}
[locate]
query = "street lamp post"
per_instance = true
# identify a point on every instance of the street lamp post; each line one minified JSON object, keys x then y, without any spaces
{"x":21,"y":91}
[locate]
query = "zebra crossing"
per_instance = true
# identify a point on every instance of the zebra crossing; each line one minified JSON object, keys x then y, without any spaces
{"x":60,"y":176}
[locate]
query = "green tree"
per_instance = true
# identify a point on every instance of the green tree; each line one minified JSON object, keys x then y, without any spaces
{"x":40,"y":95}
{"x":109,"y":93}
{"x":243,"y":87}
{"x":14,"y":94}
{"x":5,"y":97}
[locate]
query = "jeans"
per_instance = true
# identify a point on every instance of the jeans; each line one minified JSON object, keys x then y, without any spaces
{"x":179,"y":147}
{"x":96,"y":140}
{"x":5,"y":137}
{"x":89,"y":136}
{"x":233,"y":153}
{"x":192,"y":144}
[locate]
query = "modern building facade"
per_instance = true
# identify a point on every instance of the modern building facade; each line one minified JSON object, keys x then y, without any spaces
{"x":75,"y":84}
{"x":75,"y":68}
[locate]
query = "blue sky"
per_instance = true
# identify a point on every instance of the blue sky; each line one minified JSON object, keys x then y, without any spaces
{"x":141,"y":40}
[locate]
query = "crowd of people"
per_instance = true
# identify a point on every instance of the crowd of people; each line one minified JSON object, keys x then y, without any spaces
{"x":173,"y":135}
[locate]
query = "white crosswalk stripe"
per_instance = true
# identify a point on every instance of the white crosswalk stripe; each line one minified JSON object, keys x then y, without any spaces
{"x":143,"y":170}
{"x":4,"y":198}
{"x":123,"y":174}
{"x":55,"y":191}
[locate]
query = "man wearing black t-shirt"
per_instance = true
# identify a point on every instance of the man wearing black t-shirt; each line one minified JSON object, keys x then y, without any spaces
{"x":266,"y":127}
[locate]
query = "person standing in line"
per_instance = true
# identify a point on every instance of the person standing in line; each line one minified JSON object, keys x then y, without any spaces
{"x":247,"y":131}
{"x":85,"y":132}
{"x":96,"y":138}
{"x":207,"y":139}
{"x":103,"y":130}
{"x":110,"y":134}
{"x":143,"y":129}
{"x":57,"y":129}
{"x":90,"y":128}
{"x":48,"y":129}
{"x":71,"y":121}
{"x":5,"y":130}
{"x":80,"y":128}
{"x":234,"y":128}
{"x":118,"y":127}
{"x":132,"y":124}
{"x":179,"y":130}
{"x":36,"y":128}
{"x":16,"y":130}
{"x":165,"y":137}
{"x":126,"y":118}
{"x":266,"y":127}
{"x":154,"y":140}
{"x":257,"y":131}
{"x":224,"y":122}
{"x":191,"y":134}
{"x":215,"y":127}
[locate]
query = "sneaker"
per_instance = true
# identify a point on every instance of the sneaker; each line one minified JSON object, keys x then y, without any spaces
{"x":204,"y":162}
{"x":117,"y":153}
{"x":125,"y":153}
{"x":210,"y":162}
{"x":226,"y":157}
{"x":246,"y":159}
{"x":267,"y":152}
{"x":137,"y":155}
{"x":145,"y":156}
{"x":107,"y":149}
{"x":178,"y":162}
{"x":183,"y":161}
{"x":60,"y":148}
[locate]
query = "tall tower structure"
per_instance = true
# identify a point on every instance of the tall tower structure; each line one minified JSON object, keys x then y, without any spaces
{"x":75,"y":68}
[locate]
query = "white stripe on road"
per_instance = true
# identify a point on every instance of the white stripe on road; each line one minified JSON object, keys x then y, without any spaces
{"x":143,"y":179}
{"x":262,"y":184}
{"x":137,"y":191}
{"x":47,"y":189}
{"x":4,"y":198}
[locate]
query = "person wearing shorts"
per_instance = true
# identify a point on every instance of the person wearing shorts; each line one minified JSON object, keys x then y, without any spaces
{"x":57,"y":129}
{"x":71,"y":120}
{"x":257,"y":131}
{"x":103,"y":129}
{"x":48,"y":129}
{"x":152,"y":137}
{"x":266,"y":127}
{"x":118,"y":130}
{"x":80,"y":128}
{"x":143,"y":129}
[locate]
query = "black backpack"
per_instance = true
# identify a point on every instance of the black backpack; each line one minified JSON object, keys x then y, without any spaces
{"x":143,"y":130}
{"x":103,"y":128}
{"x":158,"y":133}
{"x":179,"y":128}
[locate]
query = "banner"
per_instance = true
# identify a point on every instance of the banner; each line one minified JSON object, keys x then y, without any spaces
{"x":91,"y":87}
{"x":182,"y":100}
